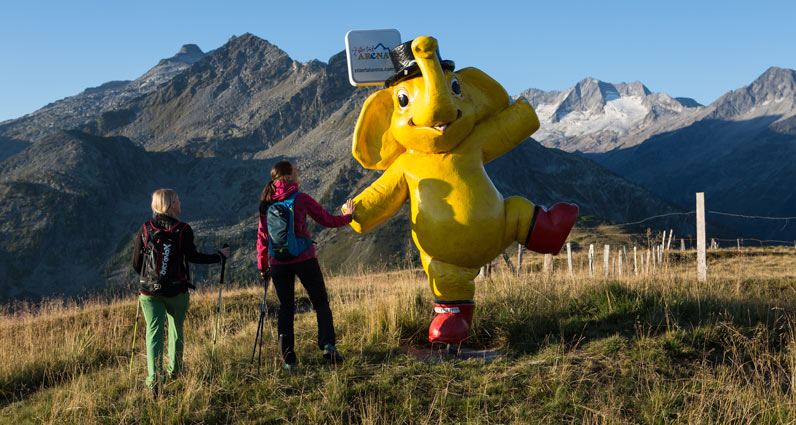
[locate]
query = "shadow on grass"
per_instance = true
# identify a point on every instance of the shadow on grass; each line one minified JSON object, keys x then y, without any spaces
{"x":39,"y":376}
{"x":613,"y":309}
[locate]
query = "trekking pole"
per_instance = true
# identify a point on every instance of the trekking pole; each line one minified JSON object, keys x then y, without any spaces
{"x":135,"y":330}
{"x":259,"y":334}
{"x":218,"y":307}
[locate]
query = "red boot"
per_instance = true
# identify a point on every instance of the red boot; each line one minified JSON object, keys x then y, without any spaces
{"x":550,"y":228}
{"x":452,"y":323}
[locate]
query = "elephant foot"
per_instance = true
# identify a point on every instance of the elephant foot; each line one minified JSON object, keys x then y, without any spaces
{"x":452,"y":323}
{"x":550,"y":228}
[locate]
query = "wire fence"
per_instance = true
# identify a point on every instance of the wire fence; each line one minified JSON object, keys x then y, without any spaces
{"x":647,"y":260}
{"x":738,"y":240}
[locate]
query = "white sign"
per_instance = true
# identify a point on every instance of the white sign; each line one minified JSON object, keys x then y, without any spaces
{"x":368,"y":54}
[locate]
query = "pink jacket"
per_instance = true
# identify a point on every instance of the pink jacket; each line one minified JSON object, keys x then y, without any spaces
{"x":302,"y":205}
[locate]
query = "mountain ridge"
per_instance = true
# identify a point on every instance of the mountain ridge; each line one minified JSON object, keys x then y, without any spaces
{"x":75,"y":111}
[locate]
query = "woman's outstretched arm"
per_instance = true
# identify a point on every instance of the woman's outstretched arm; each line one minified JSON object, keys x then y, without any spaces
{"x":190,"y":252}
{"x":316,"y":211}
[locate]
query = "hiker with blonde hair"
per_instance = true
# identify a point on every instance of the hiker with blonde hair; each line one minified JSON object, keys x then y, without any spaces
{"x":163,"y":248}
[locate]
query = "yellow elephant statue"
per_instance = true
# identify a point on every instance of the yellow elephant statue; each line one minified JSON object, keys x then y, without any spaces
{"x":432,"y":130}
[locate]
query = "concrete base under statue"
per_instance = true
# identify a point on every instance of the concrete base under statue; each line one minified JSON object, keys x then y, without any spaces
{"x":440,"y":353}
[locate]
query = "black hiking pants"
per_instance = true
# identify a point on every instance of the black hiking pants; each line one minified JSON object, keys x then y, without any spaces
{"x":284,"y":278}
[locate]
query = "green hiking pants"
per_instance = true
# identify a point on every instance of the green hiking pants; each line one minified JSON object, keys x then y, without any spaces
{"x":156,"y":310}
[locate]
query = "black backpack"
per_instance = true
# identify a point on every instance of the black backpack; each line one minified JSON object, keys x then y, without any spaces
{"x":162,"y":258}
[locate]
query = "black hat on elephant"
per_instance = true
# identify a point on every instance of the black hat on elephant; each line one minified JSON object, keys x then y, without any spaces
{"x":406,"y":66}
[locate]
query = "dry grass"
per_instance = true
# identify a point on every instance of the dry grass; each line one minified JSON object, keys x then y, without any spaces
{"x":654,"y":348}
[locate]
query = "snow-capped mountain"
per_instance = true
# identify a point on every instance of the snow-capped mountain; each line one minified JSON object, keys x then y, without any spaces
{"x":595,"y":116}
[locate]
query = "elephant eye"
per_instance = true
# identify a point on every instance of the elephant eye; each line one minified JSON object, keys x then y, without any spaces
{"x":455,"y":88}
{"x":403,"y":98}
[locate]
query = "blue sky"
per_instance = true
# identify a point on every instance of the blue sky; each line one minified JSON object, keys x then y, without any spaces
{"x":700,"y":49}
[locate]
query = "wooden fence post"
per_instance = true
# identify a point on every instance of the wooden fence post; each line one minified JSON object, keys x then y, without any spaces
{"x":655,"y":263}
{"x":682,"y":245}
{"x":642,"y":263}
{"x":591,"y":259}
{"x":619,"y":254}
{"x":606,"y":253}
{"x":702,"y":267}
{"x":569,"y":259}
{"x":635,"y":261}
{"x":548,"y":264}
{"x":520,"y":248}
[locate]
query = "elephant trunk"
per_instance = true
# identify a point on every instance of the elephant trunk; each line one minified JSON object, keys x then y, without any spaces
{"x":438,"y":108}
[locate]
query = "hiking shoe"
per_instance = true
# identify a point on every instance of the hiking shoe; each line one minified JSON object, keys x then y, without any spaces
{"x":330,"y":353}
{"x":154,"y":392}
{"x":290,"y":367}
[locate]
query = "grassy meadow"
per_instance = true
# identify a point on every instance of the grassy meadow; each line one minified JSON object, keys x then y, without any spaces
{"x":657,"y":348}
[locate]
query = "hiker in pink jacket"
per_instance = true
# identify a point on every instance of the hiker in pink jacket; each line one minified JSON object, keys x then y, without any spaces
{"x":279,"y":195}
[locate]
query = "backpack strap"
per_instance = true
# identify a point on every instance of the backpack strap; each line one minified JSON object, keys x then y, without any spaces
{"x":179,"y":235}
{"x":289,"y":198}
{"x":181,"y":265}
{"x":169,"y":229}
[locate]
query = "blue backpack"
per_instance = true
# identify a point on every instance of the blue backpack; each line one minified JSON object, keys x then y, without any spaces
{"x":283,"y":245}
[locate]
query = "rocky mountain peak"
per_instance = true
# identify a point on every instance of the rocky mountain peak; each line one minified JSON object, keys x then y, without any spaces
{"x":775,"y":83}
{"x":635,"y":88}
{"x":247,"y":40}
{"x":190,"y":49}
{"x":250,"y":52}
{"x":76,"y":111}
{"x":588,"y":95}
{"x":188,"y":54}
{"x":773,"y":93}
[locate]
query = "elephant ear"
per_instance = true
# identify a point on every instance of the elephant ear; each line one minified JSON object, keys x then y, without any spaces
{"x":487,"y":96}
{"x":374,"y":146}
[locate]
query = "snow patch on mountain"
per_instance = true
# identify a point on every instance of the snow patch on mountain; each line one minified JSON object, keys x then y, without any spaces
{"x":617,"y":116}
